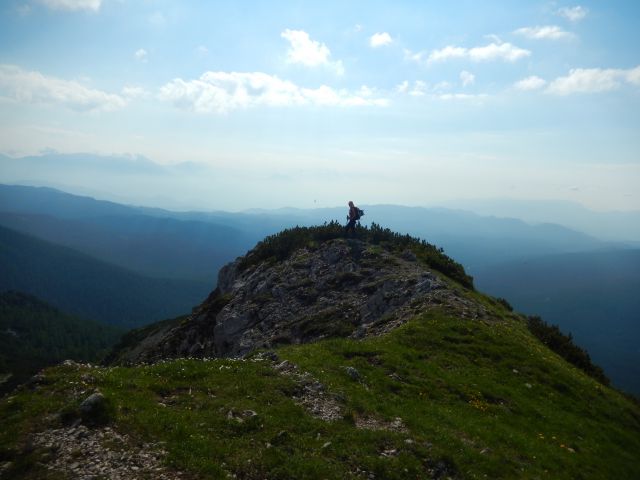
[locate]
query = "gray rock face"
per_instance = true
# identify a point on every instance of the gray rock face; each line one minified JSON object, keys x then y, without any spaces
{"x":338,"y":288}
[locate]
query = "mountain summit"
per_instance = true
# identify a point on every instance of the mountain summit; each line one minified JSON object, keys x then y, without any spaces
{"x":324,"y":357}
{"x":306,"y":284}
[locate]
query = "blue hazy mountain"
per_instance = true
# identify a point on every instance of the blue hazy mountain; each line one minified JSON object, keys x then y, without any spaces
{"x":593,"y":295}
{"x":88,"y":288}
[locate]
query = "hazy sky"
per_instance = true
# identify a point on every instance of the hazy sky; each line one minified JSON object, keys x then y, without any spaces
{"x":316,"y":103}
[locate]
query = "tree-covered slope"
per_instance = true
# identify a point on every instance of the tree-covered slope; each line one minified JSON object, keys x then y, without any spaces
{"x":34,"y":335}
{"x":88,"y":288}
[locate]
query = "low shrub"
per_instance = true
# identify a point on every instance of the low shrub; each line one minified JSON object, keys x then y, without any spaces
{"x":281,"y":245}
{"x":563,"y":345}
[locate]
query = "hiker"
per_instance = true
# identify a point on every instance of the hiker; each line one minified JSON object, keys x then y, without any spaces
{"x":353,"y":217}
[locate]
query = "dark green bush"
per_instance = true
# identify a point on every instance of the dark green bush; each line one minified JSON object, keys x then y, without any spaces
{"x":504,"y":303}
{"x":563,"y":345}
{"x":281,"y":245}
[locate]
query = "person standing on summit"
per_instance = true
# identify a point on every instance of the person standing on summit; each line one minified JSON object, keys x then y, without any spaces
{"x":353,"y":217}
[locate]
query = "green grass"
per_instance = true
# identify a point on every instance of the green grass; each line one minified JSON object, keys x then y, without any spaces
{"x":479,"y":400}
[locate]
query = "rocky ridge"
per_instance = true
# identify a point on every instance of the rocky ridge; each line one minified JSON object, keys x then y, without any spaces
{"x":339,"y":287}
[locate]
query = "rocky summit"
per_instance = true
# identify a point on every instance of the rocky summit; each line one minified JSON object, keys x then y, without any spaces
{"x":339,"y":287}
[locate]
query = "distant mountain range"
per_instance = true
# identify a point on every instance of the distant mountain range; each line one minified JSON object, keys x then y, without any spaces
{"x":171,"y":259}
{"x":81,"y":285}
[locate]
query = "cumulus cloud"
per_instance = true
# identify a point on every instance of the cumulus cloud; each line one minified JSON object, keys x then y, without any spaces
{"x":222,"y":92}
{"x":131,"y":92}
{"x":547,"y":32}
{"x":594,"y":80}
{"x":72,"y":5}
{"x":141,"y":54}
{"x":33,"y":87}
{"x":380,"y":39}
{"x":309,"y":52}
{"x":467,"y":78}
{"x":494,"y":51}
{"x":530,"y":83}
{"x":417,"y":57}
{"x":573,"y":14}
{"x":420,"y":88}
{"x":461,"y":96}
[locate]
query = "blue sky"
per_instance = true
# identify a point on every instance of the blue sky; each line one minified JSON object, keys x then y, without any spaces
{"x":314,"y":103}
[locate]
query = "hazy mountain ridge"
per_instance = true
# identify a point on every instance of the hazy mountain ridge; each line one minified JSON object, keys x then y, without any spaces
{"x":89,"y":288}
{"x":442,"y":381}
{"x":196,"y":244}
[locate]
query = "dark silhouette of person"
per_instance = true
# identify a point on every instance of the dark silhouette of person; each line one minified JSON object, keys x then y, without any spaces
{"x":352,"y":218}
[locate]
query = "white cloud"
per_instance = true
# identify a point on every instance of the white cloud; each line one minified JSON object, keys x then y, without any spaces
{"x":633,"y":76}
{"x":309,"y":52}
{"x":530,"y":83}
{"x":573,"y":14}
{"x":461,"y":96}
{"x":202,"y":50}
{"x":467,"y":78}
{"x":357,"y":27}
{"x":493,"y":51}
{"x":141,"y":54}
{"x":447,"y":53}
{"x":419,"y":89}
{"x":72,"y":5}
{"x":131,"y":92}
{"x":222,"y":92}
{"x":33,"y":87}
{"x":547,"y":32}
{"x":593,"y":80}
{"x":413,"y":57}
{"x":402,"y":87}
{"x":380,"y":39}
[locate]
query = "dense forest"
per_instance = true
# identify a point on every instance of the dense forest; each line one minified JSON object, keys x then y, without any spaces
{"x":33,"y":334}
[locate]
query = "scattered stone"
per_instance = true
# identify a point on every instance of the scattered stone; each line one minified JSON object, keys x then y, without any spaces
{"x":312,"y":395}
{"x":371,"y":423}
{"x":89,"y":454}
{"x":528,"y":385}
{"x":390,"y":452}
{"x":353,"y":373}
{"x":96,"y":410}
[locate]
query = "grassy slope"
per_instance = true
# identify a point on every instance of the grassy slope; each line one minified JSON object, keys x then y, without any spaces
{"x":482,"y":400}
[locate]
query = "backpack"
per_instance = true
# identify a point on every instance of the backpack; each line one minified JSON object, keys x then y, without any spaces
{"x":359,"y":213}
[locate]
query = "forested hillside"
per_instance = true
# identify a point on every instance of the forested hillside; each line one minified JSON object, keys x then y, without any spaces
{"x":33,"y":335}
{"x":84,"y":286}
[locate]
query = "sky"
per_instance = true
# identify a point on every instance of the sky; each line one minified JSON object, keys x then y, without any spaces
{"x":271,"y":104}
